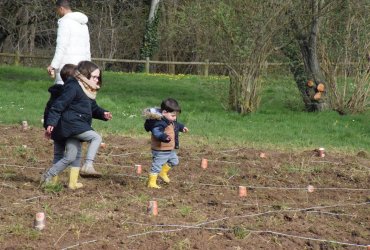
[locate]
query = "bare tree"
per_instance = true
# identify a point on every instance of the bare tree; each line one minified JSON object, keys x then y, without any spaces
{"x":183,"y":34}
{"x":301,"y":40}
{"x":116,"y":27}
{"x":345,"y":49}
{"x":116,"y":30}
{"x":24,"y":25}
{"x":241,"y":33}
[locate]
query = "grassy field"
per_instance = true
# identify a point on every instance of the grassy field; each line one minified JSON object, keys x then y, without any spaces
{"x":279,"y":124}
{"x":295,"y":200}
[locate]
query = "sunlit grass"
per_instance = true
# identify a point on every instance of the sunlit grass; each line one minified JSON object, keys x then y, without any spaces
{"x":279,"y":123}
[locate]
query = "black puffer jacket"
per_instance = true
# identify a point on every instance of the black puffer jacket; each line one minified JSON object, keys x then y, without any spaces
{"x":72,"y":112}
{"x":55,"y":91}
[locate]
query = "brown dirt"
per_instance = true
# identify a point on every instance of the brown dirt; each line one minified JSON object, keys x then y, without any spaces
{"x":200,"y":209}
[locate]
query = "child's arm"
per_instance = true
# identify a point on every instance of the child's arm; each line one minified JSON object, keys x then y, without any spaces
{"x":100,"y":113}
{"x":158,"y":132}
{"x":182,"y":127}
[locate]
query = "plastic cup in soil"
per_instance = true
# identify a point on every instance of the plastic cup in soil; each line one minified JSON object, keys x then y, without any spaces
{"x":204,"y":163}
{"x":262,"y":155}
{"x":242,"y":191}
{"x":25,"y":125}
{"x":152,"y":208}
{"x":138,"y":168}
{"x":322,"y":152}
{"x":39,"y":223}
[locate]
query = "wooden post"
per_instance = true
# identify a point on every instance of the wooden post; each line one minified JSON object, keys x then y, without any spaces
{"x":172,"y":69}
{"x":206,"y":67}
{"x":147,"y":65}
{"x":17,"y":58}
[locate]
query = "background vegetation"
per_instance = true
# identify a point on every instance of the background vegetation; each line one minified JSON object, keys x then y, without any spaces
{"x":321,"y":43}
{"x":279,"y":123}
{"x":324,"y":42}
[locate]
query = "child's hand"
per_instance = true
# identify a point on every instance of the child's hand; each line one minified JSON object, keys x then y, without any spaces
{"x":185,"y":130}
{"x":49,"y":129}
{"x":47,"y":135}
{"x":107,"y":115}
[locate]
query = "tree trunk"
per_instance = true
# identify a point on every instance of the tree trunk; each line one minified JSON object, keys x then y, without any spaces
{"x":32,"y":38}
{"x":243,"y":92}
{"x":313,"y":73}
{"x":3,"y":35}
{"x":306,"y":51}
{"x":153,"y":10}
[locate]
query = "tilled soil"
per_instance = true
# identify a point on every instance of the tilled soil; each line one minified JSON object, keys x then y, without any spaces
{"x":199,"y":209}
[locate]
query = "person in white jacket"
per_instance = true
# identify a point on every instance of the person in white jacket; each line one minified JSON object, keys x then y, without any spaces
{"x":73,"y":40}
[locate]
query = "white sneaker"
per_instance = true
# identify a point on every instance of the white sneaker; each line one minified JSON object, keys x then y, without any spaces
{"x":89,"y":171}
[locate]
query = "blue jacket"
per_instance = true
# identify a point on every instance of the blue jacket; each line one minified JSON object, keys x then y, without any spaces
{"x":72,"y":112}
{"x":157,"y":128}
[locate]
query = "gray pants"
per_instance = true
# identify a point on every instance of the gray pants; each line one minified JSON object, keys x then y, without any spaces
{"x":162,"y":157}
{"x":60,"y":149}
{"x":72,"y":154}
{"x":94,"y":140}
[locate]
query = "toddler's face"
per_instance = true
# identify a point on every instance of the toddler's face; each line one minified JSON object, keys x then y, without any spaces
{"x":170,"y":116}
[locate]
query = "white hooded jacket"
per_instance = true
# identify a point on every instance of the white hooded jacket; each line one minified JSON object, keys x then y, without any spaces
{"x":73,"y":42}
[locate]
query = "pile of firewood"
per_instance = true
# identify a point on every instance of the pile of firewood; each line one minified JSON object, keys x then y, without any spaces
{"x":315,"y":91}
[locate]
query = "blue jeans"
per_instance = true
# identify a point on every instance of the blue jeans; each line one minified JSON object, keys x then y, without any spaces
{"x":162,"y":157}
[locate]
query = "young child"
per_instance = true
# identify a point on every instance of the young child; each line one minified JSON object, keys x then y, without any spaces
{"x":60,"y":144}
{"x":163,"y":125}
{"x":71,"y":115}
{"x":55,"y":91}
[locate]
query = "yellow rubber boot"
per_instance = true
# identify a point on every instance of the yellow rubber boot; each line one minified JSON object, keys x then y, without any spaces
{"x":55,"y":180}
{"x":164,"y":172}
{"x":152,"y":183}
{"x":73,"y":177}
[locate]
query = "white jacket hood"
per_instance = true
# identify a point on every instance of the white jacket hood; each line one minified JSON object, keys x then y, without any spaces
{"x":75,"y":16}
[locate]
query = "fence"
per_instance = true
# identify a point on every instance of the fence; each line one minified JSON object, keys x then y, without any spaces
{"x":18,"y":58}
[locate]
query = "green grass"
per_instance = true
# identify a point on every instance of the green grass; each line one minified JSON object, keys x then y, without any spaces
{"x":53,"y":188}
{"x":185,"y":244}
{"x":280,"y":122}
{"x":25,"y":231}
{"x":232,"y":171}
{"x":240,"y":232}
{"x":185,"y":210}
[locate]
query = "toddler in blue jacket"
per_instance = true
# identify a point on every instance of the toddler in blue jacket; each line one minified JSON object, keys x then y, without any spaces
{"x":164,"y":128}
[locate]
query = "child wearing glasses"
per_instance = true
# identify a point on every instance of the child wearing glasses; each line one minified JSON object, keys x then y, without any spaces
{"x":164,"y":128}
{"x":70,"y":117}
